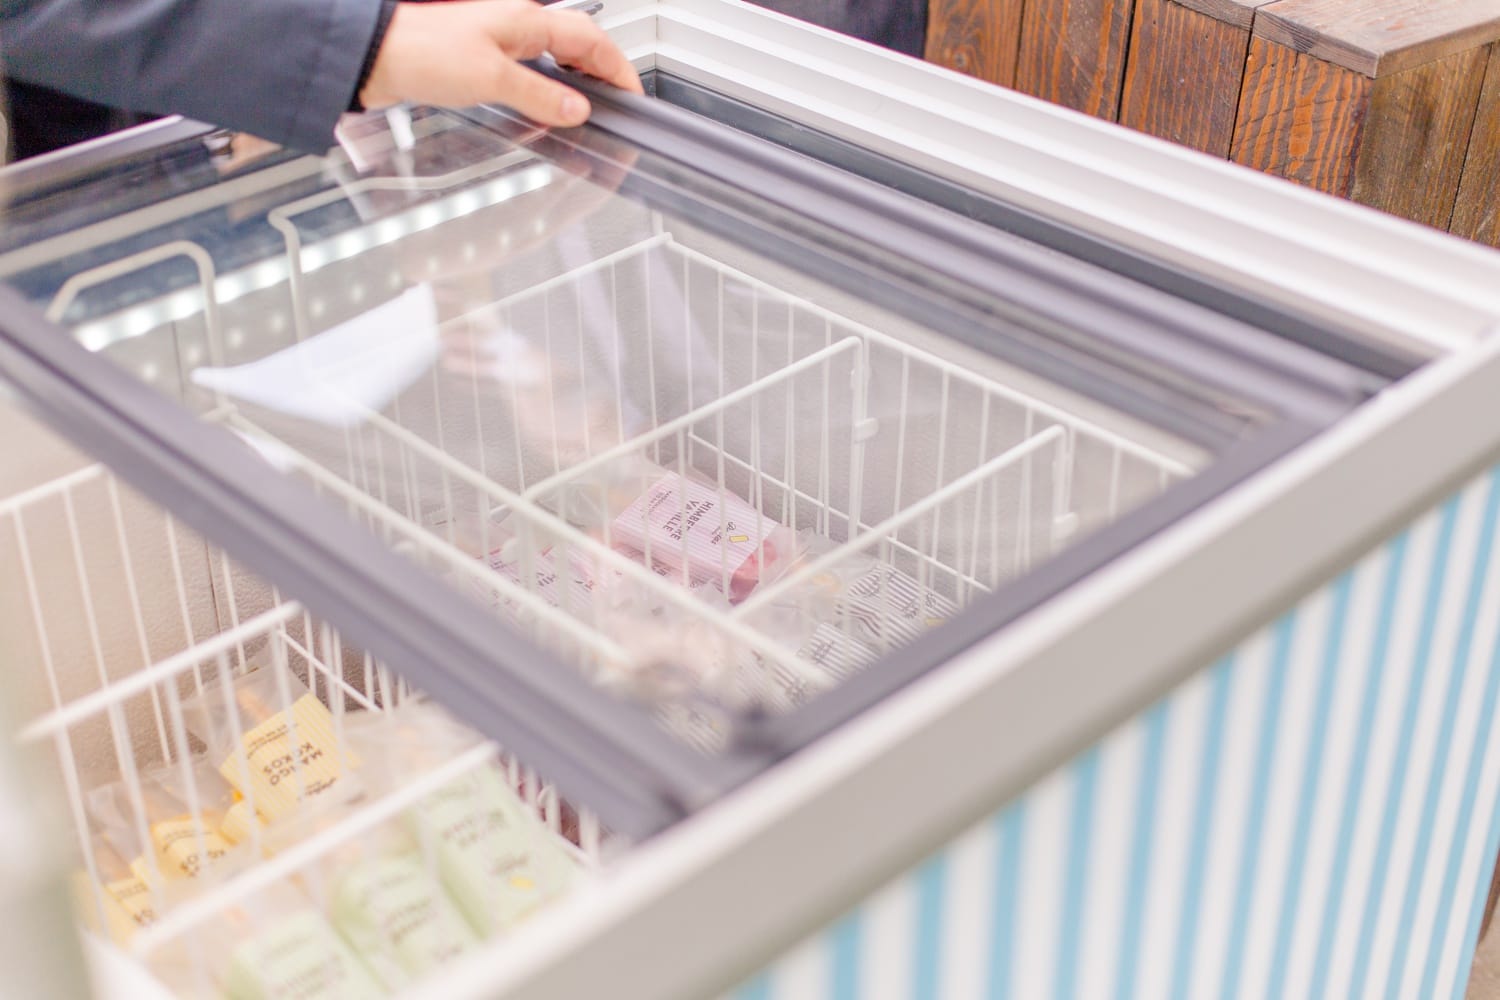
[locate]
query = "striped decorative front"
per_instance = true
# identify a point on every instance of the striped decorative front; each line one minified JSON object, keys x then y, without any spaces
{"x":1313,"y":816}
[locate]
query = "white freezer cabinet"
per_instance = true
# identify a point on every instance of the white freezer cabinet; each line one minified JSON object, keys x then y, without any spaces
{"x":827,"y":528}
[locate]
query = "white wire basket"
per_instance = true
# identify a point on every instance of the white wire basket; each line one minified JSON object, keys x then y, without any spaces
{"x":139,"y":632}
{"x":519,"y":453}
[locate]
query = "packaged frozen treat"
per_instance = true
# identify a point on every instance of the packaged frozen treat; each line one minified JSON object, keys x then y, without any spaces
{"x":122,"y":902}
{"x":835,"y":651}
{"x":190,"y":809}
{"x":278,"y":946}
{"x":666,"y":644}
{"x":572,"y":577}
{"x":870,"y":601}
{"x":178,"y":809}
{"x":381,"y":893}
{"x":695,"y":529}
{"x":394,"y":913}
{"x":272,"y":740}
{"x":886,"y":607}
{"x":241,"y":824}
{"x":497,"y":861}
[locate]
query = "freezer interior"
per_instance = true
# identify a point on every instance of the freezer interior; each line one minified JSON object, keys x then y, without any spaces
{"x":711,"y":480}
{"x":702,"y":476}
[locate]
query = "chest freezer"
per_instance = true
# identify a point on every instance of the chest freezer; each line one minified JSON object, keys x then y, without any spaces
{"x":828,"y":528}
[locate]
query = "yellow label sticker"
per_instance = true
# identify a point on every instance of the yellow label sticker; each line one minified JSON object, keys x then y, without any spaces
{"x":141,"y":870}
{"x":133,"y":897}
{"x":185,"y":844}
{"x":523,"y":883}
{"x":239,"y":822}
{"x":118,"y":922}
{"x":738,"y":539}
{"x":290,"y":757}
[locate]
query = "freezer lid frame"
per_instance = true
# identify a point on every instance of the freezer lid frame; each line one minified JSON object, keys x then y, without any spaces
{"x":597,"y":748}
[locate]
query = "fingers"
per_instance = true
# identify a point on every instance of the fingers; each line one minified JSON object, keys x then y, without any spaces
{"x":526,"y":30}
{"x":462,"y":53}
{"x":575,"y":40}
{"x":543,"y":100}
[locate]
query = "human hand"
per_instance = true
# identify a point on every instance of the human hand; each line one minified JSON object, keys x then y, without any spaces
{"x":468,"y":52}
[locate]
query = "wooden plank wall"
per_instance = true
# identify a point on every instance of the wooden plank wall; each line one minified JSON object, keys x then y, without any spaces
{"x":1476,"y":214}
{"x":1177,"y":49}
{"x":979,"y":37}
{"x":1299,"y":117}
{"x":1394,"y":103}
{"x":1073,"y":53}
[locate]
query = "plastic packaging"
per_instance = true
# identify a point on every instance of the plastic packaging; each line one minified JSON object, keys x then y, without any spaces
{"x":886,"y":607}
{"x":281,"y":948}
{"x":396,"y":916}
{"x":839,"y":618}
{"x":286,"y":751}
{"x":186,"y":840}
{"x":763,"y":680}
{"x":567,"y":577}
{"x":240,"y":824}
{"x":672,"y":650}
{"x":682,"y":522}
{"x":495,"y":858}
{"x":124,"y":902}
{"x":835,"y":651}
{"x":297,"y":957}
{"x":183,"y":841}
{"x":381,"y":895}
{"x":871,"y":602}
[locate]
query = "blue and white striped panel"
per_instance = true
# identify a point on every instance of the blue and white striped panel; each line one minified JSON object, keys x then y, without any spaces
{"x":1314,"y":816}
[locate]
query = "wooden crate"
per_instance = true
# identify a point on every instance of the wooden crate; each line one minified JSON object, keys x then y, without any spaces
{"x":1394,"y":103}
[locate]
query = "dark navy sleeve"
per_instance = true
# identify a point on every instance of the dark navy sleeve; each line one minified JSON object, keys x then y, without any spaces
{"x":283,"y":70}
{"x":896,"y":24}
{"x":382,"y":25}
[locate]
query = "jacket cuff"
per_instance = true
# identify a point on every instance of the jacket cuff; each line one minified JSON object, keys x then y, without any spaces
{"x":382,"y":25}
{"x":343,"y":40}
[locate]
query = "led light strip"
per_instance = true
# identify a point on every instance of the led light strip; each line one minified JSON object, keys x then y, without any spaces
{"x":99,"y":334}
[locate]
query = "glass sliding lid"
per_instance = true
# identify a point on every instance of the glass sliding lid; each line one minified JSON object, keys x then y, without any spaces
{"x":669,"y":446}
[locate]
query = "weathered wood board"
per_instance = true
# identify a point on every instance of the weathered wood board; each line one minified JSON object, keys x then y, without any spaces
{"x":1175,"y":50}
{"x":1073,"y":53}
{"x":1476,"y":212}
{"x":1299,"y":117}
{"x":977,"y":37}
{"x":1394,"y":103}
